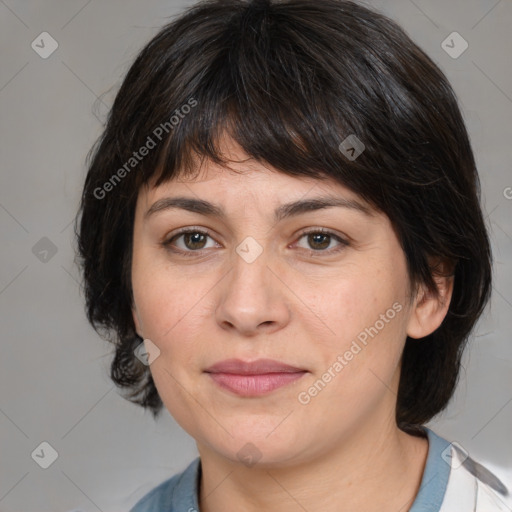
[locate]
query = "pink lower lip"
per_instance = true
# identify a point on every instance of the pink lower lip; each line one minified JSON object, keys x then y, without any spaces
{"x":254,"y":385}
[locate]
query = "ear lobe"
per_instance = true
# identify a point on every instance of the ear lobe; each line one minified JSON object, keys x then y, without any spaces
{"x":136,"y":321}
{"x":429,"y":310}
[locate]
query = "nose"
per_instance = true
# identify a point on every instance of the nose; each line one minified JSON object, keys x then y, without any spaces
{"x":252,"y":298}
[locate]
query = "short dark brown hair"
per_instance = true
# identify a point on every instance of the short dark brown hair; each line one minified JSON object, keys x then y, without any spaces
{"x":289,"y":81}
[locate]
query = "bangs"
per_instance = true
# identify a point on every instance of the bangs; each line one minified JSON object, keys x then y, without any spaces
{"x":275,"y":138}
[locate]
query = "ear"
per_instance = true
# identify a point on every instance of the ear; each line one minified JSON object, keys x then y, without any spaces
{"x":429,"y":311}
{"x":136,"y":321}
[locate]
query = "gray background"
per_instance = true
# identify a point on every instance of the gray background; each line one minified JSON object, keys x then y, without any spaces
{"x":54,"y":383}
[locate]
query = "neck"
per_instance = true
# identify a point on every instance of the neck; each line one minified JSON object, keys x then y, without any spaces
{"x":374,"y":467}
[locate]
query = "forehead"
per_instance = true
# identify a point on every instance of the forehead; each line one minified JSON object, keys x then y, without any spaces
{"x":216,"y":192}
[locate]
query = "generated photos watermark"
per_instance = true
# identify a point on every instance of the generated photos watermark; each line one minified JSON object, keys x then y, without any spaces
{"x":304,"y":397}
{"x":137,"y":156}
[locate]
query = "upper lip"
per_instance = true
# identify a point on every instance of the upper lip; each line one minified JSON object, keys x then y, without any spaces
{"x":258,"y":367}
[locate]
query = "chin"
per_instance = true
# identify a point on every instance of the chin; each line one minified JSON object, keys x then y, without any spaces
{"x":262,"y":451}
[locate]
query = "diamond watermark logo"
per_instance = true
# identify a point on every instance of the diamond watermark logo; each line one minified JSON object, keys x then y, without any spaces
{"x":44,"y":45}
{"x":249,"y":249}
{"x":44,"y":250}
{"x":454,"y":457}
{"x":249,"y":454}
{"x":351,"y":147}
{"x":45,"y":455}
{"x":146,"y":352}
{"x":454,"y":45}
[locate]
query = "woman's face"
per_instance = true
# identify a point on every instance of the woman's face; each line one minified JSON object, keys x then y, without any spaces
{"x":334,"y":307}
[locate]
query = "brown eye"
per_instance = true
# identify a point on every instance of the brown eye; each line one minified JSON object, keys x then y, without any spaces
{"x":193,"y":241}
{"x":319,"y":241}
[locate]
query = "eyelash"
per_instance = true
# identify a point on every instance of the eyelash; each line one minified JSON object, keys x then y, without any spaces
{"x":343,"y":243}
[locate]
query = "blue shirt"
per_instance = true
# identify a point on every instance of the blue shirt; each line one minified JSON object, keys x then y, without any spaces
{"x":180,"y":493}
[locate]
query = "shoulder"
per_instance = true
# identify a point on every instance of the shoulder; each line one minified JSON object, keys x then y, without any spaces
{"x":159,"y":498}
{"x":471,"y":486}
{"x":178,"y":491}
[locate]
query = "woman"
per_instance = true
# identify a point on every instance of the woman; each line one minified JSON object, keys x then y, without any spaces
{"x":281,"y":228}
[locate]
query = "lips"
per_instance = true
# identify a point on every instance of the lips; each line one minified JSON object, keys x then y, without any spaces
{"x":253,"y":378}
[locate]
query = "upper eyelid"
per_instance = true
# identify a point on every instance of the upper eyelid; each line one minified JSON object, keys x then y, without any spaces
{"x":184,"y":231}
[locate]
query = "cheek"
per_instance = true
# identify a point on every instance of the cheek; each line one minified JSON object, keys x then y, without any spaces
{"x":357,"y":367}
{"x":352,"y":304}
{"x":173,"y":310}
{"x":162,"y":295}
{"x":359,"y":363}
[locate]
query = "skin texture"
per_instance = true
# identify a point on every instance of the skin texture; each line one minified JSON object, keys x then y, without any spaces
{"x":342,"y":450}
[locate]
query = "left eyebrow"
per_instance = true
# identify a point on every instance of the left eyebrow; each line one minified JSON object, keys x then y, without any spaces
{"x":282,"y":212}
